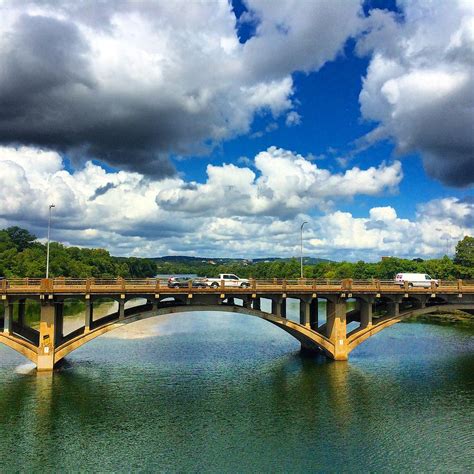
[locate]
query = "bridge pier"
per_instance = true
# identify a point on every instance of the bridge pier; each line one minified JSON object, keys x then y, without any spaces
{"x":47,"y":336}
{"x":421,"y":301}
{"x":279,"y":306}
{"x":305,"y":311}
{"x":58,"y":323}
{"x":393,"y":308}
{"x":256,"y":304}
{"x":313,"y":314}
{"x":121,"y":307}
{"x":246,"y":302}
{"x":88,"y":314}
{"x":8,"y":317}
{"x":366,"y":310}
{"x":21,"y":312}
{"x":336,"y":327}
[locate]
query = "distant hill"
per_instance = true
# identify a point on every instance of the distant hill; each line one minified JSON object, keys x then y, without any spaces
{"x":218,"y":261}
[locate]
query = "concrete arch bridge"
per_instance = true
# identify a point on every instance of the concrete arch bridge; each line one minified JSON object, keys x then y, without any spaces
{"x":42,"y":338}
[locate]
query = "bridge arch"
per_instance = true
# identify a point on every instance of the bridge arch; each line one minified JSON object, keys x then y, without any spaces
{"x":308,"y":338}
{"x":363,"y":334}
{"x":22,"y":346}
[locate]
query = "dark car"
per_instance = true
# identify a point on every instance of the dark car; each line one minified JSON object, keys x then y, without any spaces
{"x":183,"y":282}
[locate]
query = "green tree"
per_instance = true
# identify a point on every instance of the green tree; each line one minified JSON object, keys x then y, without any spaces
{"x":465,"y":252}
{"x":21,"y":238}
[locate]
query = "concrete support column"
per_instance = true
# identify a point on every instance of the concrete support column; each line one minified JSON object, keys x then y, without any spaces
{"x":47,"y":336}
{"x":246,"y":302}
{"x":313,"y":313}
{"x":88,"y":315}
{"x":121,"y":308}
{"x":421,"y":301}
{"x":58,"y":323}
{"x":21,"y":312}
{"x":393,"y":308}
{"x":256,"y":304}
{"x":283,"y":308}
{"x":154,"y":304}
{"x":366,"y":313}
{"x":336,"y":327}
{"x":8,"y":316}
{"x":277,"y":304}
{"x":305,"y":313}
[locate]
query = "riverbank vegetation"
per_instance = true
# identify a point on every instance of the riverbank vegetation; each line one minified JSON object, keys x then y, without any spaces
{"x":21,"y":255}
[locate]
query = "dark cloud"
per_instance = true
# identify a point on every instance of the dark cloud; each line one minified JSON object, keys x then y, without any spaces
{"x":133,"y":83}
{"x":102,"y":190}
{"x":50,"y":98}
{"x":454,"y":169}
{"x":44,"y":54}
{"x":379,"y":225}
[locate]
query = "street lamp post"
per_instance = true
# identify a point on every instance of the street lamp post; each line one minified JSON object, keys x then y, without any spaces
{"x":47,"y":245}
{"x":301,"y":229}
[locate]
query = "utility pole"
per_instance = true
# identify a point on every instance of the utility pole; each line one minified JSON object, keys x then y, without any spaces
{"x":47,"y":245}
{"x":301,"y":229}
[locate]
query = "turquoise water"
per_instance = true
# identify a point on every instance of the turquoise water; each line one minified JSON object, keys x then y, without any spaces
{"x":231,"y":393}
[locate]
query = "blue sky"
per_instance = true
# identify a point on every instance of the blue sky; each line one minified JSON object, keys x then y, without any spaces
{"x":216,"y":129}
{"x":328,"y":101}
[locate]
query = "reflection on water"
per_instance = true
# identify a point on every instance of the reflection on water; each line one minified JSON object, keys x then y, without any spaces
{"x":220,"y":392}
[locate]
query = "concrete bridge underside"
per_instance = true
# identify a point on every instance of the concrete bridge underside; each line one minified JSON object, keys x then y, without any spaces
{"x":46,"y":345}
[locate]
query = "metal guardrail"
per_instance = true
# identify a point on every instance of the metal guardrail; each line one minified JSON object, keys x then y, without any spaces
{"x":150,"y":285}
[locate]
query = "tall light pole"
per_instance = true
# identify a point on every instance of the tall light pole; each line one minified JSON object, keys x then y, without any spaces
{"x":301,"y":229}
{"x":47,"y":245}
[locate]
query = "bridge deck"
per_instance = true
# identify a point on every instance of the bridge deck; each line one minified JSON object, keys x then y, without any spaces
{"x":154,"y":286}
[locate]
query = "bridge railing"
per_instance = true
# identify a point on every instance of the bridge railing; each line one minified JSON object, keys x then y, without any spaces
{"x":21,"y":282}
{"x":150,"y":285}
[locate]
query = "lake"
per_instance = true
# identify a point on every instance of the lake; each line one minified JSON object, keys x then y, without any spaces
{"x":220,"y":392}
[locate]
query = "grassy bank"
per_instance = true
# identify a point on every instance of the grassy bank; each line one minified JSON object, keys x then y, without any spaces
{"x":446,"y":317}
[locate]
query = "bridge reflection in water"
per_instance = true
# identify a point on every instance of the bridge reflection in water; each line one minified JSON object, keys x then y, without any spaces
{"x":46,"y":342}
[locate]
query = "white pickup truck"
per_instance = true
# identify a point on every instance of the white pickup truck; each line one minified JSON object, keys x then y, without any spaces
{"x":229,"y":279}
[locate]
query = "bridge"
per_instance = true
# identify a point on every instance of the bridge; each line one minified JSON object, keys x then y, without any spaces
{"x":379,"y":304}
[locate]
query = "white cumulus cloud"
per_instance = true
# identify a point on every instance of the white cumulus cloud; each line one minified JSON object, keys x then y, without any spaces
{"x":420,"y":84}
{"x":237,"y":211}
{"x":284,"y":184}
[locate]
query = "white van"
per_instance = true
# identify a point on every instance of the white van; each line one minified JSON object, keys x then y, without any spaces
{"x":415,"y":279}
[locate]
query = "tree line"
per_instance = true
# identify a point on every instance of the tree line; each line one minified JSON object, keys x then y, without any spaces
{"x":21,"y":255}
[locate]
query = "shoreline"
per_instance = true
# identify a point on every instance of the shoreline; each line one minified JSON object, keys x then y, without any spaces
{"x":445,"y":317}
